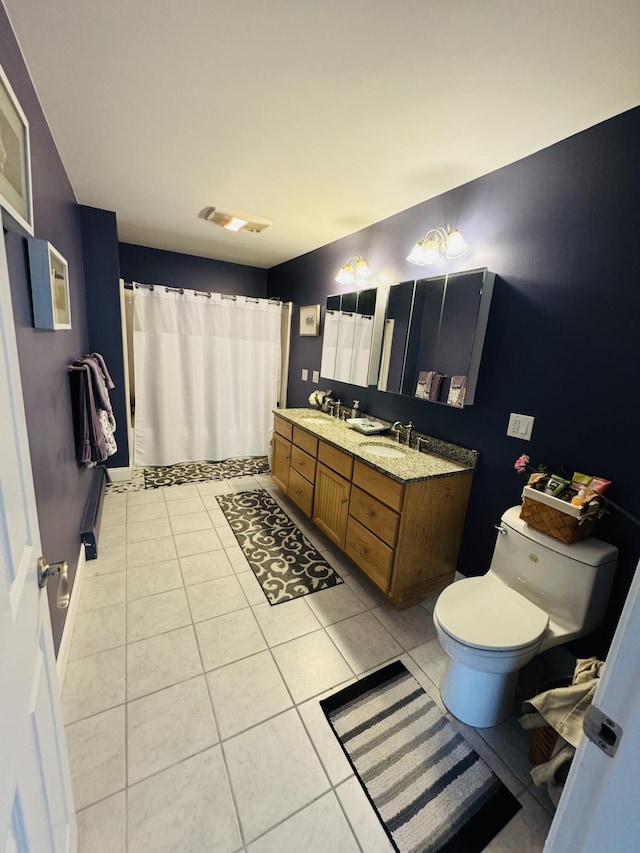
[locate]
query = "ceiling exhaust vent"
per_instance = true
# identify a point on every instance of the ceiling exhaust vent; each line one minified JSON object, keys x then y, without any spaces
{"x":234,"y":221}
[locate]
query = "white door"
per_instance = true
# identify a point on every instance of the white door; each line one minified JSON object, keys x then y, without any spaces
{"x":36,"y":803}
{"x":598,"y":810}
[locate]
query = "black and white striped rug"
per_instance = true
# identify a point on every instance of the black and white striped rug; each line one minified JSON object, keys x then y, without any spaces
{"x":283,"y":560}
{"x":431,"y":791}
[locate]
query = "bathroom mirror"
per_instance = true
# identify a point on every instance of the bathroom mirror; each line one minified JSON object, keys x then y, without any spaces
{"x":352,"y":336}
{"x":433,"y":336}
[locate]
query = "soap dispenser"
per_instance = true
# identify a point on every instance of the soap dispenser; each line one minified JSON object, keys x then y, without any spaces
{"x":355,"y":411}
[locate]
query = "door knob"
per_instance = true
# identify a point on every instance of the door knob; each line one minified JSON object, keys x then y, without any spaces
{"x":47,"y":570}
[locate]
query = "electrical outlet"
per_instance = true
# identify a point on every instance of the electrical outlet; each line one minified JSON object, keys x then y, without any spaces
{"x":520,"y":426}
{"x":316,"y":376}
{"x":305,"y":375}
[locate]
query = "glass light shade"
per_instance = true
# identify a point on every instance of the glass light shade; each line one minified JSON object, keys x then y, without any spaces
{"x":456,"y":246}
{"x":346,"y":274}
{"x":362,"y":270}
{"x":235,"y":224}
{"x":416,"y":255}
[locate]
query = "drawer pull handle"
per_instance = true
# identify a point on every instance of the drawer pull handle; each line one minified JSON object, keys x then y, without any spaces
{"x":343,"y":501}
{"x":363,"y":551}
{"x":369,"y":514}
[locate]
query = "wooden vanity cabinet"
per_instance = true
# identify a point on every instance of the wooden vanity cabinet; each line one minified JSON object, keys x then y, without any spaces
{"x":332,"y":489}
{"x":404,"y":536}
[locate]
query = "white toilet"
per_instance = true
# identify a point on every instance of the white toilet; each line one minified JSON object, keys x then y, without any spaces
{"x":537,"y":593}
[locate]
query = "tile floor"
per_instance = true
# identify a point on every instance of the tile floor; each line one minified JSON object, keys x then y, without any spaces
{"x":191,"y":704}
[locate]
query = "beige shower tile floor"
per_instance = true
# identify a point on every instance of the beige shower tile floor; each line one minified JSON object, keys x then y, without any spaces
{"x":191,"y":704}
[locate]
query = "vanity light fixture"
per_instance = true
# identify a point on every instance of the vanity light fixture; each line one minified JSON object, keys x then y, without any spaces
{"x":355,"y":270}
{"x":438,"y":242}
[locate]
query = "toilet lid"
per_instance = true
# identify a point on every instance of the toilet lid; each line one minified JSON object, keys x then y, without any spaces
{"x":486,"y":614}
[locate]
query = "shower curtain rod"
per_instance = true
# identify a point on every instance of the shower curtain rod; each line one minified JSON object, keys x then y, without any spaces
{"x":129,"y":285}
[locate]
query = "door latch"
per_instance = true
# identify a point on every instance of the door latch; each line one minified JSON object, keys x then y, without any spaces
{"x":601,"y":730}
{"x":48,"y":570}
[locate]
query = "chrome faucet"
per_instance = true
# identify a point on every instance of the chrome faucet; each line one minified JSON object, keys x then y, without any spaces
{"x":399,"y":428}
{"x":337,"y":408}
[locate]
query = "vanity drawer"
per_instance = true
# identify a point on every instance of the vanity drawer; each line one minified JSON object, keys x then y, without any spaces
{"x":335,"y":459}
{"x":284,"y":428}
{"x":369,"y":553}
{"x":301,"y":492}
{"x":374,"y":515}
{"x":305,"y":440}
{"x":303,"y":464}
{"x":379,"y":485}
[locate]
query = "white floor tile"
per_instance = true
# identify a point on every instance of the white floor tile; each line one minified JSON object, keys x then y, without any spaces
{"x":187,"y":808}
{"x":114,"y":515}
{"x":218,"y":518}
{"x":143,"y":531}
{"x":263,"y":797}
{"x":147,"y":553}
{"x":97,"y":631}
{"x":157,"y":614}
{"x":93,"y":684}
{"x":334,"y":604}
{"x":167,"y":727}
{"x":101,"y":827}
{"x":364,"y":589}
{"x":226,"y":537}
{"x":432,"y":658}
{"x":247,"y":692}
{"x":229,"y":638}
{"x":215,"y":598}
{"x":213,"y":487}
{"x":527,"y":830}
{"x":146,"y":512}
{"x":237,"y":559}
{"x":179,"y":493}
{"x":251,"y":588}
{"x":285,"y":621}
{"x":199,"y":568}
{"x":363,"y":819}
{"x":197,"y":543}
{"x":96,"y":756}
{"x":152,"y":579}
{"x":191,"y":522}
{"x":161,"y":661}
{"x":364,"y":642}
{"x":102,"y":591}
{"x":326,"y":743}
{"x":186,"y":506}
{"x":320,"y":827}
{"x":144,"y":496}
{"x":311,"y":665}
{"x":111,"y":559}
{"x":410,"y":627}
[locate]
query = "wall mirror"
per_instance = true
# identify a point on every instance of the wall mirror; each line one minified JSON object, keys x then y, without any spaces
{"x":433,"y":336}
{"x":352,"y":336}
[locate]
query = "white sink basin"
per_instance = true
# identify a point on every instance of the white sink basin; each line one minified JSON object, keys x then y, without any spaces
{"x":316,"y":421}
{"x":383,"y":450}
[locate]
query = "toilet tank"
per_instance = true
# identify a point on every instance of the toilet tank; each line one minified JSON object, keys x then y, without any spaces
{"x":570,"y":582}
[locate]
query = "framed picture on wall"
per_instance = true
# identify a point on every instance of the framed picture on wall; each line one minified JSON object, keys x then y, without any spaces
{"x":310,"y":320}
{"x":15,"y":159}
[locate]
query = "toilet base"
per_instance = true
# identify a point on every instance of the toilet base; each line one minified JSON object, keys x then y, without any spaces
{"x":479,"y":699}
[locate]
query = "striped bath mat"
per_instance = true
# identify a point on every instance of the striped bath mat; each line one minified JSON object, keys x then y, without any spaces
{"x":431,"y":791}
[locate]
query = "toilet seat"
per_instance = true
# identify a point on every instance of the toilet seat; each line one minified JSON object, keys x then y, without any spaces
{"x":486,"y":614}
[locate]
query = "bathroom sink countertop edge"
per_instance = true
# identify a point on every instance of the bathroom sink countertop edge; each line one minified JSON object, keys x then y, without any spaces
{"x":409,"y":467}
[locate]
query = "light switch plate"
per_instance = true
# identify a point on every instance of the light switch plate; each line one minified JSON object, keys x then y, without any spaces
{"x":520,"y":426}
{"x":305,"y":374}
{"x":316,"y":376}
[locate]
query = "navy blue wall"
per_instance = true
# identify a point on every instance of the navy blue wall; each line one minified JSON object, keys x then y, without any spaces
{"x":560,"y":228}
{"x":157,"y":266}
{"x":100,"y":244}
{"x":61,"y":486}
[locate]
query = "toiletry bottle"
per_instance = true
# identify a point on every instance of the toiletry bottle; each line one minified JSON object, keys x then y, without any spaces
{"x":356,"y":407}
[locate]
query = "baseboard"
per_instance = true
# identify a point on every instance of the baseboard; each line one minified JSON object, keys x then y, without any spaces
{"x":119,"y":475}
{"x":69,"y":622}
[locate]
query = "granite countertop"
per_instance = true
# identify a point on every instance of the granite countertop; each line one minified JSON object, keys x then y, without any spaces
{"x":410,"y":467}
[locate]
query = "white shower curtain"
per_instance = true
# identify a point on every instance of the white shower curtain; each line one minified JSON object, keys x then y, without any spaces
{"x":207,"y":373}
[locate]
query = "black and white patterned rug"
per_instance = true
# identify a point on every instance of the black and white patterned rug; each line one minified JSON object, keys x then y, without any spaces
{"x":198,"y":472}
{"x":283,"y":560}
{"x":430,"y":789}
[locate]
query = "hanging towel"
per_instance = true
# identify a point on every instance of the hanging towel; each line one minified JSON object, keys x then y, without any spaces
{"x":94,"y":421}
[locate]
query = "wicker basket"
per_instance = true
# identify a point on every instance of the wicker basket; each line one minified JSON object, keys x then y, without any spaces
{"x":543,"y":740}
{"x":553,"y":521}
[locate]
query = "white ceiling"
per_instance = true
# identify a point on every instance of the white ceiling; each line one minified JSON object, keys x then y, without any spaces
{"x":322,"y":117}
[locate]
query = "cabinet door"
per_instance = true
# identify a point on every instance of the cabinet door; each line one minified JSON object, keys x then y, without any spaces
{"x":331,"y":503}
{"x":280,"y":461}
